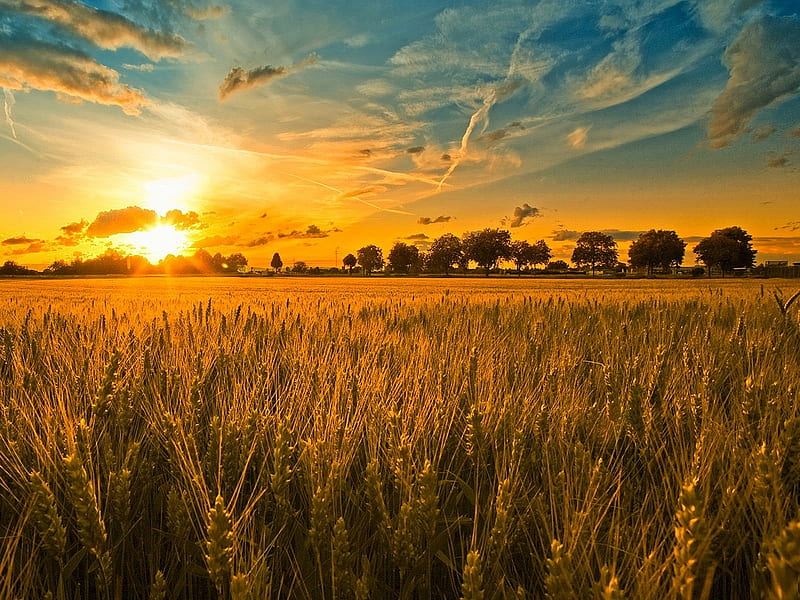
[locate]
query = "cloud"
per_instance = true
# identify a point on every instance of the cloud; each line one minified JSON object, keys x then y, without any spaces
{"x":32,"y":248}
{"x":260,"y":241}
{"x":764,"y":66}
{"x":791,"y":226}
{"x":578,"y":138}
{"x":622,"y":235}
{"x":311,"y":232}
{"x":417,"y":236}
{"x":521,"y":213}
{"x":123,"y":220}
{"x":71,"y":75}
{"x":207,"y":13}
{"x":240,"y":79}
{"x":429,"y":221}
{"x":564,"y":235}
{"x":762,"y":132}
{"x":19,"y":241}
{"x":181,"y":220}
{"x":104,"y":29}
{"x":8,"y":102}
{"x":75,"y":228}
{"x":778,"y":160}
{"x":145,"y":68}
{"x":794,"y":133}
{"x":214,"y":241}
{"x":415,"y":150}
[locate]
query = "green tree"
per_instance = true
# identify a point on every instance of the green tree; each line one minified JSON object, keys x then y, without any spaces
{"x":728,"y":249}
{"x":446,"y":251}
{"x":595,"y":249}
{"x":662,"y":248}
{"x":370,"y":258}
{"x":276,"y":263}
{"x":487,"y":247}
{"x":349,"y":261}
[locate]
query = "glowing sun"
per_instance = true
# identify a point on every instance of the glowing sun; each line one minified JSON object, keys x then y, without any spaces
{"x":157,"y":242}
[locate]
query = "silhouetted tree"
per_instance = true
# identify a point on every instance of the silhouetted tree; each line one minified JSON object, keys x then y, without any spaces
{"x":487,"y":247}
{"x":446,"y":251}
{"x":12,"y":268}
{"x":300,"y":267}
{"x":235,"y":262}
{"x":662,"y":248}
{"x":557,"y":265}
{"x":60,"y":267}
{"x":524,"y":253}
{"x":276,"y":263}
{"x":595,"y":249}
{"x":403,"y":258}
{"x":370,"y":258}
{"x":349,"y":261}
{"x":727,"y":249}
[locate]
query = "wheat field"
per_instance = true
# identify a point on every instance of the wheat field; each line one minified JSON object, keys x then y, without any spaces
{"x":391,"y":438}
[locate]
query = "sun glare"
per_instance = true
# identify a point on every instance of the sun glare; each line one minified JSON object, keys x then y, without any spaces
{"x":156,"y":243}
{"x":162,"y":195}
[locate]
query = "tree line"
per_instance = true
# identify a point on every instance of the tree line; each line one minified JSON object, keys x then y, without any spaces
{"x":725,"y":250}
{"x":655,"y":250}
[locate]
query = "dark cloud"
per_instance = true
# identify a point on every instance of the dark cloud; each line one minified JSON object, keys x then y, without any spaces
{"x":417,"y":236}
{"x":260,"y":241}
{"x":446,"y":157}
{"x":30,"y":64}
{"x":416,"y":150}
{"x":181,"y":220}
{"x":522,"y":213}
{"x":76,"y":228}
{"x":778,"y":160}
{"x":493,"y":136}
{"x":312,"y":231}
{"x":104,"y":29}
{"x":762,"y":132}
{"x":430,"y":221}
{"x":241,"y":79}
{"x":791,"y":226}
{"x":764,"y":66}
{"x":622,"y":235}
{"x":123,"y":220}
{"x":564,"y":235}
{"x":19,"y":241}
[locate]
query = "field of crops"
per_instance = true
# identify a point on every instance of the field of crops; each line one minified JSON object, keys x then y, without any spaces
{"x":354,"y":438}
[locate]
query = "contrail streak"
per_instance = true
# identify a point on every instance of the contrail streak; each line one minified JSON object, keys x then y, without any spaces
{"x":497,"y":94}
{"x":8,"y":102}
{"x":342,"y":192}
{"x":482,"y":114}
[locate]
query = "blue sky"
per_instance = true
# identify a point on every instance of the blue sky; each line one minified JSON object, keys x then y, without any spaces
{"x":314,"y":128}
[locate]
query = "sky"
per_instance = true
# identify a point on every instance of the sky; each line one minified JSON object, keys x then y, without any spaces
{"x":312,"y":128}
